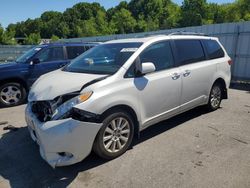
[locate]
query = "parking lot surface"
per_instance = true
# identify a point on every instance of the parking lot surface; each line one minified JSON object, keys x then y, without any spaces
{"x":194,"y":149}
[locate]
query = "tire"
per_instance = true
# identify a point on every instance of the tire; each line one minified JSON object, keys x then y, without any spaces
{"x":117,"y":138}
{"x":215,"y":97}
{"x":12,"y":94}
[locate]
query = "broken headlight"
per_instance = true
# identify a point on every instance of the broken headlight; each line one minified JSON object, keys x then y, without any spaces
{"x":64,"y":108}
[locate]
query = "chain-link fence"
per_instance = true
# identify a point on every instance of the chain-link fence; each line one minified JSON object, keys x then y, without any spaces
{"x":11,"y":52}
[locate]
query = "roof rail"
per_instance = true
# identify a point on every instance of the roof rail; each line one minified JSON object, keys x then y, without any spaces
{"x":74,"y":42}
{"x":187,"y":33}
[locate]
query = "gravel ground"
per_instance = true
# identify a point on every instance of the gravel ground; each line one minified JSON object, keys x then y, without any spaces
{"x":194,"y":149}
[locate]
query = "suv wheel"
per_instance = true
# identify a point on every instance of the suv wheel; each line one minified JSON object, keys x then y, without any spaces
{"x":115,"y":136}
{"x":215,"y":97}
{"x":12,"y":94}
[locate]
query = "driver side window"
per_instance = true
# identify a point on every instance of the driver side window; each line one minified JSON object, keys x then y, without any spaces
{"x":51,"y":54}
{"x":160,"y":54}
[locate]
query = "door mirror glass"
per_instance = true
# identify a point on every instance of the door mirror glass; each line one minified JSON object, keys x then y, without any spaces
{"x":35,"y":61}
{"x":147,"y":67}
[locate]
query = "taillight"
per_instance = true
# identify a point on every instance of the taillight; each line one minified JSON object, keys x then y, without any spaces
{"x":230,"y":62}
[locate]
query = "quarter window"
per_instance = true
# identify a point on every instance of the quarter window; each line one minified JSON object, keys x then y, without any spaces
{"x":189,"y":51}
{"x":214,"y":50}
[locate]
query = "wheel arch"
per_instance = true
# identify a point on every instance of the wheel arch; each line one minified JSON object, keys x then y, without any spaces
{"x":15,"y":79}
{"x":126,"y":108}
{"x":222,"y":83}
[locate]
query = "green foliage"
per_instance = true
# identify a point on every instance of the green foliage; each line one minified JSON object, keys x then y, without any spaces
{"x":170,"y":16}
{"x":192,"y":12}
{"x":1,"y":32}
{"x":33,"y":39}
{"x":54,"y":38}
{"x":91,"y":19}
{"x":7,"y":37}
{"x":123,"y":21}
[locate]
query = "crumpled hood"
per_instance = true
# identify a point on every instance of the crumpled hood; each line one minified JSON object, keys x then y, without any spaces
{"x":56,"y":83}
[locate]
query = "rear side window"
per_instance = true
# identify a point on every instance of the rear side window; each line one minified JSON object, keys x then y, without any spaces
{"x":50,"y":54}
{"x":189,"y":51}
{"x":74,"y":51}
{"x":214,"y":50}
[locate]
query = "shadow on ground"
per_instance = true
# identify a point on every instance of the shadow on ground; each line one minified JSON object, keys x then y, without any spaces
{"x":22,"y":166}
{"x":241,"y":86}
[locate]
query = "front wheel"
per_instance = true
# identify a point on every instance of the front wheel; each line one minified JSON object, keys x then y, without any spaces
{"x":215,"y":97}
{"x":12,"y":94}
{"x":115,"y":136}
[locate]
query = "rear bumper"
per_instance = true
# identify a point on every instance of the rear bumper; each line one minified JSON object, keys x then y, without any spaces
{"x":62,"y":142}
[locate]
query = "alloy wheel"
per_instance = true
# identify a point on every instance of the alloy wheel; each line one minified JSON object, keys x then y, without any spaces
{"x":215,"y":97}
{"x":116,"y":135}
{"x":10,"y":94}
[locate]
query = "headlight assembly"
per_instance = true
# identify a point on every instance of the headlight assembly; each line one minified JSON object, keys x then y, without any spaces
{"x":67,"y":106}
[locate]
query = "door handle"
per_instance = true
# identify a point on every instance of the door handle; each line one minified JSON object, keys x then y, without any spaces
{"x":186,"y":73}
{"x":175,"y":76}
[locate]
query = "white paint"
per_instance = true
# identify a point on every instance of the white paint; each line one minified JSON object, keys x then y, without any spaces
{"x":57,"y":83}
{"x":129,"y":49}
{"x":153,"y":97}
{"x":65,"y":135}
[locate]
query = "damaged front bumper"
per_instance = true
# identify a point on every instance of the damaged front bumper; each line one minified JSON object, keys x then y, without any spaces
{"x":62,"y":142}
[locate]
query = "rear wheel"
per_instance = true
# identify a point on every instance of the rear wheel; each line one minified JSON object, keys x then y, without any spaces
{"x":115,"y":136}
{"x":215,"y":97}
{"x":12,"y":94}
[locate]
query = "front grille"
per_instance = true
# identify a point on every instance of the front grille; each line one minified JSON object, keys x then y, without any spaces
{"x":43,"y":110}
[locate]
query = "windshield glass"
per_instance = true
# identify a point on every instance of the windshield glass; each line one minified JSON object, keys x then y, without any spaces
{"x":23,"y":58}
{"x":103,"y":59}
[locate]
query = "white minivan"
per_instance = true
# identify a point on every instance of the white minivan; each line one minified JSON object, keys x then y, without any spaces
{"x":115,"y":90}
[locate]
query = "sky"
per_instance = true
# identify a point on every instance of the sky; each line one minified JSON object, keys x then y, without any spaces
{"x":12,"y":11}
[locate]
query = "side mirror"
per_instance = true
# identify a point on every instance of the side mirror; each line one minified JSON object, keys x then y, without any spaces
{"x":35,"y":61}
{"x":147,"y":67}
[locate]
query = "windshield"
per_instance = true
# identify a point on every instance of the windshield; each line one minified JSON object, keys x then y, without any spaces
{"x":23,"y":58}
{"x":103,"y":59}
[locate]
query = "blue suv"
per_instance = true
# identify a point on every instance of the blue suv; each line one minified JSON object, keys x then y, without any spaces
{"x":17,"y":77}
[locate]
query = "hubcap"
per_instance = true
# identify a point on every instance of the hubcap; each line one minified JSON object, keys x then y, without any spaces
{"x":116,"y":135}
{"x":215,"y":97}
{"x":10,"y":95}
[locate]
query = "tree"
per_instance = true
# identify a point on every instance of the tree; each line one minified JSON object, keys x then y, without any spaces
{"x":7,"y":36}
{"x":53,"y":24}
{"x":243,"y":8}
{"x":123,"y":21}
{"x":142,"y":25}
{"x":20,"y":29}
{"x":1,"y":33}
{"x":113,"y":10}
{"x":33,"y":39}
{"x":192,"y":12}
{"x":87,"y":28}
{"x":170,"y":16}
{"x":91,"y":19}
{"x":54,"y":38}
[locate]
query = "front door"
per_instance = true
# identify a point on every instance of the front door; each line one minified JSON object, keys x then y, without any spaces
{"x":51,"y":58}
{"x":160,"y":91}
